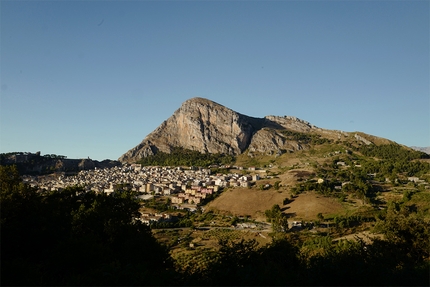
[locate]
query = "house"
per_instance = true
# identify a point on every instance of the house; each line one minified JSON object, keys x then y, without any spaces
{"x":218,"y":181}
{"x":190,"y":191}
{"x":215,"y":188}
{"x":234,"y":183}
{"x":195,"y":200}
{"x":149,"y":187}
{"x":245,"y":184}
{"x":245,"y":178}
{"x":158,"y":189}
{"x":207,"y":190}
{"x":201,"y":195}
{"x":167,"y":191}
{"x":413,"y":179}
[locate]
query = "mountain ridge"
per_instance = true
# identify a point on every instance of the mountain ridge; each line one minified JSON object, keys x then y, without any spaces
{"x":423,"y":149}
{"x":206,"y":126}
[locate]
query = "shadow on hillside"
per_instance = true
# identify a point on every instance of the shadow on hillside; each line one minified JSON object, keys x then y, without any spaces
{"x":284,"y":208}
{"x":287,"y":201}
{"x":260,"y":123}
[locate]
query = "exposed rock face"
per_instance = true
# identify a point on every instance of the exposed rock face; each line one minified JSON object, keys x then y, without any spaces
{"x":205,"y":126}
{"x":292,"y":123}
{"x":270,"y":142}
{"x":423,"y":149}
{"x":201,"y":125}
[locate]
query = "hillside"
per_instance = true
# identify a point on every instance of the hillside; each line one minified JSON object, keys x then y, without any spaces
{"x":357,"y":168}
{"x":37,"y":164}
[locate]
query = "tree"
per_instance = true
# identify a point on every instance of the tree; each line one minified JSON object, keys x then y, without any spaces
{"x":276,"y":185}
{"x":277,"y":219}
{"x":9,"y":179}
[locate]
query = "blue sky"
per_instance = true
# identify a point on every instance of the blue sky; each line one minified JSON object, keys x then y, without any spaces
{"x":93,"y":78}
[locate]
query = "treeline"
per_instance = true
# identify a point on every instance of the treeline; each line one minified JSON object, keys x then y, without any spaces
{"x":71,"y":237}
{"x":391,"y":151}
{"x":361,"y":175}
{"x":391,"y":167}
{"x":184,"y":157}
{"x":394,"y":159}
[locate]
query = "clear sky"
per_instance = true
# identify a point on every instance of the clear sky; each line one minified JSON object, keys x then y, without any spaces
{"x":93,"y":78}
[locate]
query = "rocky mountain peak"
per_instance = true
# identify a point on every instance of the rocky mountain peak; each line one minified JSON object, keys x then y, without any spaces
{"x":199,"y":124}
{"x":208,"y":127}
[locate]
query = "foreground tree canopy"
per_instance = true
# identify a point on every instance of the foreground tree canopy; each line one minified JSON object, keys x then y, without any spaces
{"x":77,"y":238}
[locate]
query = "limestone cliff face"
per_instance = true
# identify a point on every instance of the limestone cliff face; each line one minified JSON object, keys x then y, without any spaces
{"x":205,"y":126}
{"x":271,"y":142}
{"x":292,"y":123}
{"x":201,"y":125}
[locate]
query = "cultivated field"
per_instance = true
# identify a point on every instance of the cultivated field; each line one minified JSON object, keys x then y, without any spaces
{"x":243,"y":201}
{"x":253,"y":202}
{"x":306,"y":206}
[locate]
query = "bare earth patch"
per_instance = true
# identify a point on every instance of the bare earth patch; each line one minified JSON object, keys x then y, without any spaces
{"x":306,"y":206}
{"x":254,"y":202}
{"x":244,"y":201}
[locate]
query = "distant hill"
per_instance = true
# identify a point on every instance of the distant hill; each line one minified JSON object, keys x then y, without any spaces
{"x":208,"y":127}
{"x":423,"y":149}
{"x":37,"y":164}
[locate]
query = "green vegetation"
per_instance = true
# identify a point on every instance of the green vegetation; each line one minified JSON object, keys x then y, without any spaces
{"x":362,"y":172}
{"x":314,"y":260}
{"x":277,"y":219}
{"x":185,"y":157}
{"x":225,"y":235}
{"x":391,"y":151}
{"x":306,"y":138}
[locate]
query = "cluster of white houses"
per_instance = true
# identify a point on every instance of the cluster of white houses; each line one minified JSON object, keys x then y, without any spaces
{"x":149,"y":218}
{"x":182,"y":185}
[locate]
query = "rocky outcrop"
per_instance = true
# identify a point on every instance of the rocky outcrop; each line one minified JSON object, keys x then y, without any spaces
{"x":208,"y":127}
{"x":201,"y":125}
{"x":422,"y":149}
{"x":291,"y":123}
{"x":362,"y":139}
{"x":271,"y":142}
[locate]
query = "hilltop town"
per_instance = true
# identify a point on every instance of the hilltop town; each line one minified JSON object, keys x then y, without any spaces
{"x":188,"y":186}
